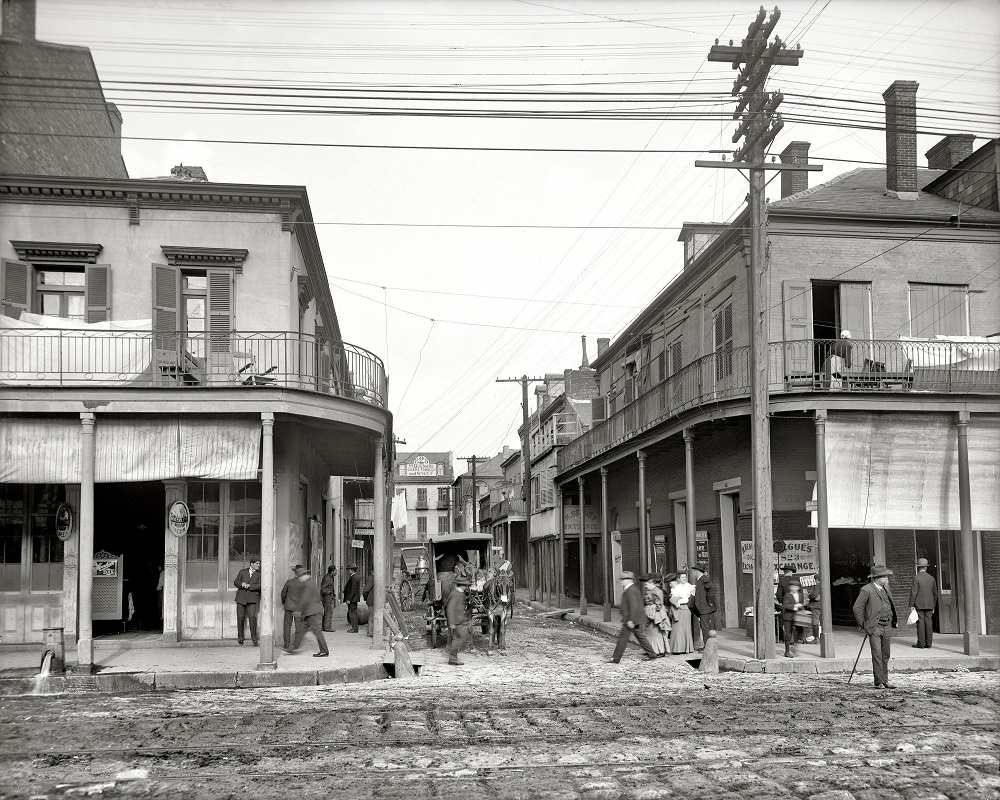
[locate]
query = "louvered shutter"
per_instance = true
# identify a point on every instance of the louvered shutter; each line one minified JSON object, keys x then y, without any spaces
{"x":676,"y":356}
{"x":166,"y":317}
{"x":15,"y":288}
{"x":220,"y":310}
{"x":97,"y":293}
{"x":798,"y":326}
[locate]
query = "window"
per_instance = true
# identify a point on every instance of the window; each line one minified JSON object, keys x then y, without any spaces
{"x":422,"y":498}
{"x":442,"y":497}
{"x":939,"y":310}
{"x":11,"y":535}
{"x":422,"y":525}
{"x":442,"y":524}
{"x":243,"y":521}
{"x":31,"y":510}
{"x":201,"y":568}
{"x":58,"y":280}
{"x":676,"y":358}
{"x":60,"y":293}
{"x":723,"y":336}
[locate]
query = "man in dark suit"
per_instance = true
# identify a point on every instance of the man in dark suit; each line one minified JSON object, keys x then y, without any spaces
{"x":633,"y":611}
{"x":327,"y":589}
{"x":924,"y":597}
{"x":351,"y":596}
{"x":286,"y":604}
{"x":307,"y":607}
{"x":247,"y":585}
{"x":876,"y":616}
{"x":705,"y":595}
{"x":456,"y":613}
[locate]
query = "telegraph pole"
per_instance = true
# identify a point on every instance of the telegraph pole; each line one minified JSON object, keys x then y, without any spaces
{"x":758,"y":127}
{"x":526,"y":470}
{"x":475,"y":498}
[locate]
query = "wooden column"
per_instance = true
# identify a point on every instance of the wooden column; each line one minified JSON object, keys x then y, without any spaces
{"x":970,"y":632}
{"x":643,"y":532}
{"x":174,"y":490}
{"x":826,"y":645}
{"x":606,"y":546}
{"x":689,"y":506}
{"x":265,"y":619}
{"x":560,"y":546}
{"x":381,"y":547}
{"x":88,"y":456}
{"x":583,"y":551}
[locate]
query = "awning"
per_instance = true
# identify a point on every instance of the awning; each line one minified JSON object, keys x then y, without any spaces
{"x":48,"y":450}
{"x":900,"y":471}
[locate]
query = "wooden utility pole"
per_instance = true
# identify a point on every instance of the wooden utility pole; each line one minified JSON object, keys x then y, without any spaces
{"x":759,"y":125}
{"x":526,"y":470}
{"x":475,"y":498}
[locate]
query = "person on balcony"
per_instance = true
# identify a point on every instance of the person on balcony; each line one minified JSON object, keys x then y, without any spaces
{"x":838,"y":359}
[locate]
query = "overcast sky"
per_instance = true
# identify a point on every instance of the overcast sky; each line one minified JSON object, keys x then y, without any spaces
{"x":493,"y":180}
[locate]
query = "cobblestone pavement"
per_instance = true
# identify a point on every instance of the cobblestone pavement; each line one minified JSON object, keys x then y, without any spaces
{"x":551,"y":719}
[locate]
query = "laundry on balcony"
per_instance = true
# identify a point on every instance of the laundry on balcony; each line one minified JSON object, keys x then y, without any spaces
{"x":947,"y":363}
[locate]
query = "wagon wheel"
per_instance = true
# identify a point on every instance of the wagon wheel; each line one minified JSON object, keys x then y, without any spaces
{"x":406,"y":596}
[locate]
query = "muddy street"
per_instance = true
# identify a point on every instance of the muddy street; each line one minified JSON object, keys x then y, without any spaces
{"x":552,"y":718}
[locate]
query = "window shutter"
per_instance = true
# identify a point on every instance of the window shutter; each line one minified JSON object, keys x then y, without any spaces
{"x":598,"y":409}
{"x":676,"y":357}
{"x":798,"y":326}
{"x":166,"y":305}
{"x":220,"y":310}
{"x":15,"y":288}
{"x":97,"y":292}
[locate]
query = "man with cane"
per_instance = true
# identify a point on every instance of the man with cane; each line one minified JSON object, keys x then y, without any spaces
{"x":876,"y":616}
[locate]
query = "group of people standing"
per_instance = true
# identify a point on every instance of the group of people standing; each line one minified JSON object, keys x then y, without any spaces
{"x":660,"y":614}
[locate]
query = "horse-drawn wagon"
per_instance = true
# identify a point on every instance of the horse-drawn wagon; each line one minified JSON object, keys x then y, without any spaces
{"x":491,"y":590}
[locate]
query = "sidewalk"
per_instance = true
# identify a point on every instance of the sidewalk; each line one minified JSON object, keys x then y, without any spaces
{"x":736,"y":649}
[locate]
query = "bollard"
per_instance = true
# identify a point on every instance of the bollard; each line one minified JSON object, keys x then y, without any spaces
{"x":710,"y":655}
{"x":53,"y":641}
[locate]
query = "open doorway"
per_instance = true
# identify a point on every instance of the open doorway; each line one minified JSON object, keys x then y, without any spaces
{"x":128,"y":522}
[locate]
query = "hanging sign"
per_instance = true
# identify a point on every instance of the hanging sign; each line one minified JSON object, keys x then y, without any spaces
{"x":179,"y":518}
{"x":357,"y":543}
{"x":64,"y":521}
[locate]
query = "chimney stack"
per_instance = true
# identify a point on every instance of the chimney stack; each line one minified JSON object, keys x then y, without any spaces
{"x":901,"y":140}
{"x":585,"y":364}
{"x":793,"y":181}
{"x":18,"y":19}
{"x":950,"y":150}
{"x":602,"y":345}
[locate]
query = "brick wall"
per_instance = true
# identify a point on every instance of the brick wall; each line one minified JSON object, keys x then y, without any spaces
{"x":991,"y":580}
{"x":901,"y":136}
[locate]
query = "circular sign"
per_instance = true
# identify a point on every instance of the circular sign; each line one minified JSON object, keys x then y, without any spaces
{"x":779,"y":546}
{"x":64,"y":521}
{"x":178,"y":518}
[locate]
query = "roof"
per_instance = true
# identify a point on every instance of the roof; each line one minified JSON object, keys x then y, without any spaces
{"x":442,"y":538}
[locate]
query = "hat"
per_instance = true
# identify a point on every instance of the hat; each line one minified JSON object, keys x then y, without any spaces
{"x":670,"y":576}
{"x":253,"y":559}
{"x":701,"y":566}
{"x":649,"y":576}
{"x":297,"y":567}
{"x":845,"y":334}
{"x":922,"y":562}
{"x":300,"y":570}
{"x":788,"y":568}
{"x":627,"y":576}
{"x":353,"y":566}
{"x":880,"y":571}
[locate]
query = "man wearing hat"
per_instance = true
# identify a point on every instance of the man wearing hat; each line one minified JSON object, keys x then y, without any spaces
{"x":923,"y":597}
{"x":788,"y":577}
{"x":456,"y":611}
{"x":247,"y":585}
{"x":705,"y":595}
{"x":876,"y":616}
{"x":307,"y":607}
{"x":351,"y":596}
{"x":633,"y":611}
{"x":288,"y":606}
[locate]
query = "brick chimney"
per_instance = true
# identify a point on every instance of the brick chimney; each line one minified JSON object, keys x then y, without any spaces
{"x":585,"y":364}
{"x":901,"y":140}
{"x":793,"y":181}
{"x":18,"y":19}
{"x":950,"y":150}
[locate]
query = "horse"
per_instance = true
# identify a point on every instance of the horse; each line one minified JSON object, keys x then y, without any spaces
{"x":498,"y":602}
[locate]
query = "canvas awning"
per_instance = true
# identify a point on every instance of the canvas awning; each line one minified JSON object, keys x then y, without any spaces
{"x":47,"y":449}
{"x":900,"y":471}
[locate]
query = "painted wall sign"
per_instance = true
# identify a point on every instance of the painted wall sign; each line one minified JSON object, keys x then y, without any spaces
{"x":64,"y":521}
{"x":420,"y":467}
{"x":179,"y":518}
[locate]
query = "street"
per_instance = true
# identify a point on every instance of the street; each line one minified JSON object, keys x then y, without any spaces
{"x":551,"y":719}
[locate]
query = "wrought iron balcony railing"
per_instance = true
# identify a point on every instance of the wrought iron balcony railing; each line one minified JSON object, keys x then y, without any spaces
{"x":181,"y":360}
{"x":892,"y":366}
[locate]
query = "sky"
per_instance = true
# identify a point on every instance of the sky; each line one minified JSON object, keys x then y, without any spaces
{"x":493,"y":180}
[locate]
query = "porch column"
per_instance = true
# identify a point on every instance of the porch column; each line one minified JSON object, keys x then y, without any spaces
{"x":826,"y":646}
{"x":689,"y":506}
{"x":88,"y":456}
{"x":560,"y":546}
{"x":265,"y":619}
{"x":380,"y":548}
{"x":605,"y":545}
{"x":583,"y":550}
{"x":970,"y":636}
{"x":71,"y":566}
{"x":174,"y":490}
{"x":643,"y":533}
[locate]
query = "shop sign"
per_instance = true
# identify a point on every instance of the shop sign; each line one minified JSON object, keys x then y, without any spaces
{"x":357,"y":543}
{"x":701,"y":546}
{"x":179,"y":518}
{"x":64,"y":521}
{"x":420,"y":467}
{"x":105,"y":567}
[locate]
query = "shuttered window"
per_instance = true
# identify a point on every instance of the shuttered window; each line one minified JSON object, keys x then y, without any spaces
{"x":723,"y":335}
{"x":70,"y":291}
{"x":939,"y":310}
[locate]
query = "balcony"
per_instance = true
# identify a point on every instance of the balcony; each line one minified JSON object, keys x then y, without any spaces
{"x":32,"y":356}
{"x":894,"y":367}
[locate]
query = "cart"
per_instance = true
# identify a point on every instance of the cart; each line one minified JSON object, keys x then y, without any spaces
{"x":450,"y":555}
{"x":412,"y":581}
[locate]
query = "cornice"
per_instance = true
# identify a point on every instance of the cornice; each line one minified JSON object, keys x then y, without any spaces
{"x":57,"y":252}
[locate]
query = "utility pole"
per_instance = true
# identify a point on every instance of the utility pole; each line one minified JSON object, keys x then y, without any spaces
{"x":475,"y":498}
{"x":525,"y":469}
{"x":758,"y":127}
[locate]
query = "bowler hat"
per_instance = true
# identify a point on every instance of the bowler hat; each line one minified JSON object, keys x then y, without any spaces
{"x":300,"y":570}
{"x":880,"y":571}
{"x":252,"y":559}
{"x":627,"y":576}
{"x":701,"y":566}
{"x":788,"y":568}
{"x":922,"y":562}
{"x":353,"y":566}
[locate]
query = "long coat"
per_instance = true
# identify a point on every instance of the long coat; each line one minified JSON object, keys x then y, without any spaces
{"x":632,"y":608}
{"x":704,"y":596}
{"x":456,"y":610}
{"x":247,"y":596}
{"x":873,"y":605}
{"x":303,"y":596}
{"x":923,"y":592}
{"x":352,"y":589}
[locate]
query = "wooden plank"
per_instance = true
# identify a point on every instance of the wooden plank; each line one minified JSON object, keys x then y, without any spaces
{"x":397,"y":612}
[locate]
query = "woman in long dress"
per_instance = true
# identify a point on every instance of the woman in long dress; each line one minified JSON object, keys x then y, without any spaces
{"x":656,"y":613}
{"x":681,"y":637}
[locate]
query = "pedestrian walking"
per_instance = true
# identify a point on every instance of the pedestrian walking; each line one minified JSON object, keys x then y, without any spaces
{"x":456,"y":612}
{"x":351,"y":596}
{"x":788,"y":577}
{"x":794,"y":617}
{"x":876,"y":616}
{"x":704,"y":601}
{"x":327,"y":590}
{"x":286,"y":604}
{"x":924,"y":598}
{"x":633,"y":613}
{"x":307,"y":608}
{"x":681,"y":634}
{"x":657,"y":618}
{"x":247,"y":583}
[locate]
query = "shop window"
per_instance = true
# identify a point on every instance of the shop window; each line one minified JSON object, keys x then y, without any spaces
{"x":46,"y":548}
{"x":27,"y":519}
{"x":201,"y":568}
{"x":11,"y":535}
{"x":243,"y":520}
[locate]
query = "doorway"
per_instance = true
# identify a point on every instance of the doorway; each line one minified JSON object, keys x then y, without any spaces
{"x":938,"y":547}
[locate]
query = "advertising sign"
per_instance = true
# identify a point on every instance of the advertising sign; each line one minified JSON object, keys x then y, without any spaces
{"x":179,"y":518}
{"x":571,"y":520}
{"x":64,"y":521}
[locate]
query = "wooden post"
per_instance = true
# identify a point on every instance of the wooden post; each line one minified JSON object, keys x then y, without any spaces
{"x":380,"y":545}
{"x":826,"y":644}
{"x":560,"y":543}
{"x":970,"y":632}
{"x":606,"y":546}
{"x":643,"y":533}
